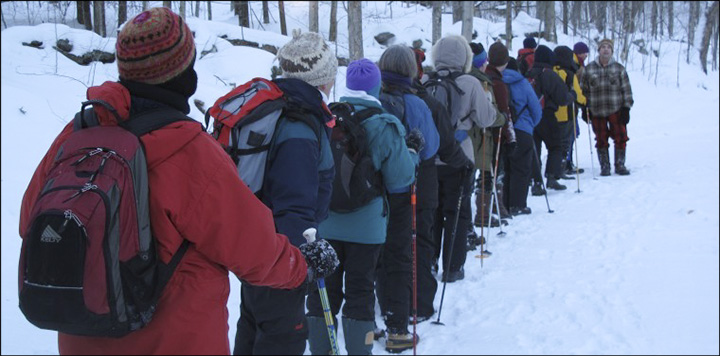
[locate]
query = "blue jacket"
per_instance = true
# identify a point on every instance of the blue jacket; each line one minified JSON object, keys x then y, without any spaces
{"x":386,"y":141}
{"x":299,"y":176}
{"x":523,"y":98}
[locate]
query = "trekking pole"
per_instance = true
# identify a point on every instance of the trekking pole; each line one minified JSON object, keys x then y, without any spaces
{"x":452,"y":243}
{"x":497,"y":198}
{"x":537,"y":159}
{"x":309,"y":236}
{"x":413,"y":204}
{"x":482,"y":199}
{"x":575,"y":132}
{"x":592,"y":159}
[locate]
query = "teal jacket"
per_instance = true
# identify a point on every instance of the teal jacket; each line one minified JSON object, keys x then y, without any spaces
{"x":386,"y":139}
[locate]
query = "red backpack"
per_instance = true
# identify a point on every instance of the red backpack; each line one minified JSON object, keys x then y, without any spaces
{"x":245,"y":120}
{"x":88,"y":264}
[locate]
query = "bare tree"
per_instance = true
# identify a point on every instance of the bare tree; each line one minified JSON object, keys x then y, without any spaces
{"x":653,"y":18}
{"x":197,"y":9}
{"x":600,"y":16}
{"x":550,"y":32}
{"x":467,"y":20}
{"x":122,"y":12}
{"x":711,"y":17}
{"x":333,"y":21}
{"x":87,"y":20}
{"x":575,"y":17}
{"x":266,"y":12}
{"x":244,"y":12}
{"x":661,"y":12}
{"x":167,"y":4}
{"x":716,"y":37}
{"x":508,"y":25}
{"x":145,"y":5}
{"x":99,"y":15}
{"x":693,"y":17}
{"x":566,"y":9}
{"x":182,"y":9}
{"x":281,"y":9}
{"x":627,"y":25}
{"x":671,"y":18}
{"x":355,"y":30}
{"x":78,"y":9}
{"x":436,"y":20}
{"x":457,"y":11}
{"x":313,"y":24}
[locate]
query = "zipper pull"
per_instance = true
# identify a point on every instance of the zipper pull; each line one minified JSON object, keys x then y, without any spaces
{"x":68,"y":216}
{"x":89,"y":154}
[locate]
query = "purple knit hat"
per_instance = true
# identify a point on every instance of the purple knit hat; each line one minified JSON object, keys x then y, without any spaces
{"x":362,"y":74}
{"x":581,"y":48}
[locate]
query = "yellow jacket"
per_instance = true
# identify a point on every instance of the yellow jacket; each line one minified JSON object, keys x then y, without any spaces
{"x":563,"y":113}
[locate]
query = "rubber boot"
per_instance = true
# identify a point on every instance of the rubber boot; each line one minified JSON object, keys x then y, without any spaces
{"x":604,"y":157}
{"x":318,"y":336}
{"x":358,"y":336}
{"x":620,"y":162}
{"x":504,"y":214}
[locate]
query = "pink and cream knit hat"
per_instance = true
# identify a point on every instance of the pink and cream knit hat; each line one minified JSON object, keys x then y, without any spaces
{"x":154,"y":47}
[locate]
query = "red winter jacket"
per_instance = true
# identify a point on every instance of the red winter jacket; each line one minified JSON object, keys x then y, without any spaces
{"x":525,"y":59}
{"x":195,"y":194}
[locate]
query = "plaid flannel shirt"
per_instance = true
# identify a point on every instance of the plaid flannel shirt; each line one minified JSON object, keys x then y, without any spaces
{"x":607,"y":89}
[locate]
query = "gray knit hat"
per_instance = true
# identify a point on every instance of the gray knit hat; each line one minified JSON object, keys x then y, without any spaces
{"x":307,"y":57}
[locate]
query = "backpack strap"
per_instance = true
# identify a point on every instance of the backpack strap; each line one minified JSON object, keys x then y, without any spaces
{"x":165,"y":271}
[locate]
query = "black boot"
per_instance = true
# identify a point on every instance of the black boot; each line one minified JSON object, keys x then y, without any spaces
{"x":563,"y":174}
{"x":504,"y":214}
{"x":604,"y":158}
{"x":620,"y":162}
{"x":570,"y":169}
{"x":552,"y":183}
{"x":536,"y":190}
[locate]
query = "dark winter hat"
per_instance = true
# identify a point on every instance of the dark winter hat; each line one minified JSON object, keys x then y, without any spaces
{"x":544,"y":54}
{"x":563,"y":56}
{"x":362,"y":74}
{"x":307,"y":57}
{"x":498,"y":54}
{"x":477,"y":48}
{"x":154,"y":47}
{"x":607,"y":42}
{"x":512,"y":64}
{"x":529,"y":42}
{"x":581,"y":48}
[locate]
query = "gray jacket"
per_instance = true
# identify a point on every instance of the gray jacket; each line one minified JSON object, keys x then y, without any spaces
{"x":453,"y":54}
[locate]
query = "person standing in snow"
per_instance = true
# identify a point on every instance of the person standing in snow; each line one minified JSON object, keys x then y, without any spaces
{"x":606,"y":85}
{"x":195,"y":194}
{"x":526,"y":55}
{"x":565,"y":68}
{"x":580,"y":53}
{"x":296,"y":187}
{"x":359,"y":235}
{"x":398,"y":68}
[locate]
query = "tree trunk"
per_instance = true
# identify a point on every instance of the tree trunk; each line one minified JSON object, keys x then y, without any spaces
{"x":182,"y":9}
{"x":281,"y":9}
{"x":693,"y":16}
{"x":566,"y":8}
{"x":467,"y":20}
{"x":601,"y":16}
{"x":715,"y":45}
{"x":167,"y":4}
{"x":122,"y":12}
{"x":266,"y":12}
{"x":244,"y":12}
{"x":355,"y":30}
{"x":313,"y":24}
{"x":540,"y":11}
{"x":457,"y":11}
{"x":436,"y":20}
{"x":87,"y":20}
{"x":627,"y":24}
{"x":671,"y":18}
{"x":711,"y":16}
{"x":575,"y":17}
{"x":333,"y":21}
{"x":550,"y":34}
{"x":145,"y":5}
{"x":661,"y":12}
{"x":209,"y":10}
{"x":518,"y":7}
{"x":508,"y":25}
{"x":79,"y":14}
{"x":98,"y":14}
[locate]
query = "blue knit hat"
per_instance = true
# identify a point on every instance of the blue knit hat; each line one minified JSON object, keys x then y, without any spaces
{"x":581,"y":48}
{"x":529,"y":42}
{"x":363,"y":74}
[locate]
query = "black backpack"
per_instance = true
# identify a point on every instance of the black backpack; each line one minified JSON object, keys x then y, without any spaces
{"x":356,"y":182}
{"x":88,"y":262}
{"x":444,"y":89}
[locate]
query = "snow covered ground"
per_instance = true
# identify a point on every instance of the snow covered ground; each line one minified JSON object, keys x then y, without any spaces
{"x":628,"y":266}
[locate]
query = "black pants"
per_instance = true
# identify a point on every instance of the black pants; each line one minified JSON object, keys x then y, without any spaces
{"x":450,"y":183}
{"x":394,"y":274}
{"x":357,"y":264}
{"x":517,"y":176}
{"x":272,"y":321}
{"x":554,"y":136}
{"x":427,"y":203}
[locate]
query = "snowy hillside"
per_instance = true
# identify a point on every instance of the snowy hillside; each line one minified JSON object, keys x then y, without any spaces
{"x":628,"y":266}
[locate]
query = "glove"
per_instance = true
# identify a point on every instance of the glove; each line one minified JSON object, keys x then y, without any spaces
{"x":461,"y":135}
{"x":321,"y":259}
{"x":625,"y":115}
{"x":415,"y":140}
{"x":584,"y":113}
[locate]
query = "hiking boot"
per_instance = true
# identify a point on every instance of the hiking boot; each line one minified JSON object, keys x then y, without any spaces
{"x":482,"y":204}
{"x":400,"y":341}
{"x":552,"y":183}
{"x":620,"y":162}
{"x":379,"y":333}
{"x":520,"y":211}
{"x":604,"y":158}
{"x":420,"y":319}
{"x":570,"y":169}
{"x":453,"y":276}
{"x":472,"y":240}
{"x":563,"y":175}
{"x":504,"y":213}
{"x":536,"y":190}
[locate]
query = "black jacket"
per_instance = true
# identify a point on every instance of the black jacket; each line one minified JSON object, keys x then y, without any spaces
{"x":550,"y":86}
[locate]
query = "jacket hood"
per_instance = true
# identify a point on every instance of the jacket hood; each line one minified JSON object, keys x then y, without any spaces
{"x":564,"y":57}
{"x":452,"y":53}
{"x":511,"y":76}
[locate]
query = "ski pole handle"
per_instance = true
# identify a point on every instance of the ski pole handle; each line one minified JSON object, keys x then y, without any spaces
{"x":309,"y":234}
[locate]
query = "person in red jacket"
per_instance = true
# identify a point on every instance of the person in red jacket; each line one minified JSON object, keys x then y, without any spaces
{"x":526,"y":55}
{"x":195,"y":194}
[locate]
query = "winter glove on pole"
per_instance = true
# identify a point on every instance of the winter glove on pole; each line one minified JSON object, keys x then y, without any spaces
{"x":321,"y":259}
{"x":415,"y":140}
{"x":625,"y":115}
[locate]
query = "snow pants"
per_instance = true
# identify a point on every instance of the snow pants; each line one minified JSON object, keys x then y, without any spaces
{"x":610,"y":126}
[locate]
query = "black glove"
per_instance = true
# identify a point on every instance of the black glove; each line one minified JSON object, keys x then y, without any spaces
{"x":584,"y":113}
{"x":415,"y":140}
{"x":321,"y":259}
{"x":625,"y":115}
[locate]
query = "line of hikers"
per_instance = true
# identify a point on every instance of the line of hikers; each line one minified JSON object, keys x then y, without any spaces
{"x":385,"y":176}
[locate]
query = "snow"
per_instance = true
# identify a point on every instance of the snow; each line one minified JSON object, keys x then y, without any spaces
{"x":627,"y":266}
